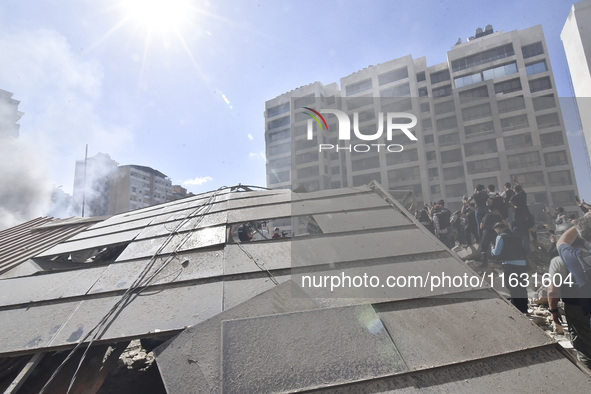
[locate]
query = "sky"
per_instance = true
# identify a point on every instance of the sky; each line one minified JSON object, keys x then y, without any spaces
{"x":183,"y":89}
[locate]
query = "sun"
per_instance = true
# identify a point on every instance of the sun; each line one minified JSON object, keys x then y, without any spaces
{"x":160,"y":15}
{"x":175,"y":24}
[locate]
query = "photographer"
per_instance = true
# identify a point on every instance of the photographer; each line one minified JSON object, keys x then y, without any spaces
{"x":245,"y":232}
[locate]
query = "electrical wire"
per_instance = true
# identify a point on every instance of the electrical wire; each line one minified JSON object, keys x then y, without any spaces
{"x":257,"y":264}
{"x":137,"y":286}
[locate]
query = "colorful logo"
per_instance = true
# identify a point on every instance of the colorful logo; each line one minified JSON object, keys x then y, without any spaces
{"x":316,"y":119}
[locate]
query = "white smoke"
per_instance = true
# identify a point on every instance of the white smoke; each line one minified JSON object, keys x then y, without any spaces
{"x":25,"y":186}
{"x":92,"y":184}
{"x":60,"y":93}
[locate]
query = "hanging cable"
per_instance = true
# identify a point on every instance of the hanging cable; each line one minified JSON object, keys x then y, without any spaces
{"x":257,"y":264}
{"x":137,"y":286}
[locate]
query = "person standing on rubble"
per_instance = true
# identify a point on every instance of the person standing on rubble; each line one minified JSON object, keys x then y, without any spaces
{"x":489,"y":234}
{"x":523,"y":218}
{"x":441,"y":222}
{"x":480,"y":198}
{"x":470,"y":230}
{"x":577,"y":260}
{"x":578,"y":322}
{"x":509,"y":248}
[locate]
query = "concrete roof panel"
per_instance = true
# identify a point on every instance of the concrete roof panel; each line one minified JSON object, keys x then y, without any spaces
{"x":189,"y":365}
{"x":101,"y":231}
{"x":65,"y":323}
{"x":538,"y":370}
{"x":217,"y":203}
{"x":356,"y":221}
{"x":387,"y":279}
{"x":48,"y":287}
{"x":200,"y":221}
{"x":204,"y":220}
{"x":237,"y":200}
{"x":351,"y":247}
{"x":182,"y":267}
{"x":331,"y":193}
{"x":271,"y":255}
{"x":245,"y":287}
{"x":306,"y":349}
{"x":89,"y":243}
{"x":200,"y":238}
{"x":337,"y":204}
{"x":259,"y":212}
{"x":24,"y":329}
{"x":257,"y":193}
{"x":152,"y":312}
{"x":487,"y":328}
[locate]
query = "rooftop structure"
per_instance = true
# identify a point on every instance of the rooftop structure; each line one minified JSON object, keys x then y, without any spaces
{"x":239,"y":316}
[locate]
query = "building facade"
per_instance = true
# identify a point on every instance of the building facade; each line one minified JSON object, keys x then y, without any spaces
{"x":109,"y":189}
{"x":135,"y":187}
{"x":576,"y":38}
{"x":9,"y":115}
{"x":489,"y":113}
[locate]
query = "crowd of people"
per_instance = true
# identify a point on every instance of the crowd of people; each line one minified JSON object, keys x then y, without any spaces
{"x":502,"y":225}
{"x":475,"y":221}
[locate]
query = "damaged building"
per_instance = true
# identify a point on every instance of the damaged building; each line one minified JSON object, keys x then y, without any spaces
{"x":225,"y":315}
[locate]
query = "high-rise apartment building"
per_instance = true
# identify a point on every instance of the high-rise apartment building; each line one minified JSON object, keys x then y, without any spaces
{"x":489,"y":113}
{"x":9,"y":115}
{"x":576,"y":38}
{"x":109,"y":189}
{"x":135,"y":187}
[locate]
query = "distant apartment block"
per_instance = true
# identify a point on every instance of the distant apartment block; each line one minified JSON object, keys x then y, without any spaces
{"x":489,"y":113}
{"x":576,"y":38}
{"x":178,"y":192}
{"x":113,"y":189}
{"x":9,"y":115}
{"x":92,"y":182}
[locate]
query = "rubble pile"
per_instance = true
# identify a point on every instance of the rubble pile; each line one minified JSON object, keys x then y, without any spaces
{"x":136,"y":357}
{"x":136,"y":373}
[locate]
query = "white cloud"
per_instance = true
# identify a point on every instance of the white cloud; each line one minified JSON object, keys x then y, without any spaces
{"x":198,"y":181}
{"x":250,"y":137}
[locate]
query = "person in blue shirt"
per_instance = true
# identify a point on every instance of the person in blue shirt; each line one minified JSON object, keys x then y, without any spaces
{"x":509,"y":248}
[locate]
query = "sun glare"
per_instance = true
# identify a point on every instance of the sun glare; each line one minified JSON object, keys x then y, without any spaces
{"x":160,"y":15}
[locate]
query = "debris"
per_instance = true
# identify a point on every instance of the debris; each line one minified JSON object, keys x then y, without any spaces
{"x":136,"y":357}
{"x":557,"y":328}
